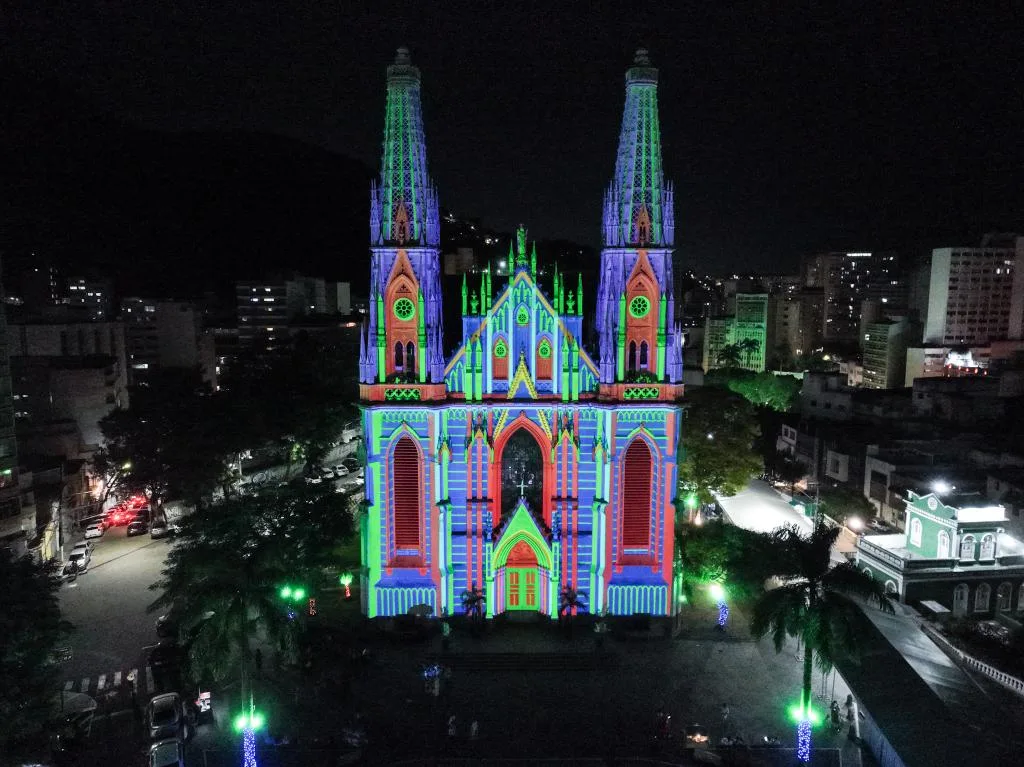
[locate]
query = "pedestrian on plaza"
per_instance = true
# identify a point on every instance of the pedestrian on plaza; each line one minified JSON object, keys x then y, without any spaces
{"x":451,"y":726}
{"x":837,"y":720}
{"x":849,"y":709}
{"x":474,"y":730}
{"x":725,"y":713}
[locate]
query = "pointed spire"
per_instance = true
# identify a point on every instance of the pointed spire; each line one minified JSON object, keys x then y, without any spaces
{"x":636,"y":200}
{"x":579,"y":294}
{"x":465,"y":295}
{"x":520,"y":247}
{"x":404,"y":204}
{"x":533,"y":261}
{"x":554,"y":289}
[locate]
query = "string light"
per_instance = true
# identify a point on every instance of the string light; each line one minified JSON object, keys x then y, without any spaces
{"x":249,"y":749}
{"x":803,"y":741}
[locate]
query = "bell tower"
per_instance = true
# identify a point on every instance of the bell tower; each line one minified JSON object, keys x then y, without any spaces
{"x":401,"y":343}
{"x":639,"y":342}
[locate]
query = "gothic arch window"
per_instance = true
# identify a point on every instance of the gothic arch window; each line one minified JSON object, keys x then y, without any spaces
{"x":410,"y":357}
{"x":631,"y":362}
{"x":643,"y":355}
{"x":643,"y":226}
{"x":406,"y":497}
{"x":982,"y":597}
{"x":400,"y":226}
{"x":1004,"y":597}
{"x":915,"y":532}
{"x":636,"y":496}
{"x":499,"y":359}
{"x":544,"y":355}
{"x":642,"y":311}
{"x":399,"y":356}
{"x":890,"y":588}
{"x":967,"y":547}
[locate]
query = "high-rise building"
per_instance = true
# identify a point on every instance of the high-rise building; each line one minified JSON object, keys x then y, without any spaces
{"x":795,"y":322}
{"x":740,"y":340}
{"x":848,"y":279}
{"x":521,"y":467}
{"x":885,"y":353}
{"x":162,"y":334}
{"x":262,"y":315}
{"x":976,"y":294}
{"x":93,"y":297}
{"x":17,"y":524}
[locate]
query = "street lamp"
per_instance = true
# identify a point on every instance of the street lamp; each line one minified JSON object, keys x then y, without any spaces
{"x":855,"y":523}
{"x":941,"y":486}
{"x":345,"y":579}
{"x":247,"y":723}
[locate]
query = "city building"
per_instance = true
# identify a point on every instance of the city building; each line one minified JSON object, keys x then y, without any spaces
{"x":521,"y":466}
{"x":795,"y":322}
{"x":339,"y":298}
{"x":976,"y":295}
{"x":262,"y":315}
{"x":17,"y":518}
{"x":93,"y":298}
{"x":953,"y":552}
{"x":849,"y":279}
{"x":67,"y":371}
{"x":885,"y":353}
{"x":42,"y":288}
{"x":162,"y":334}
{"x":740,"y":340}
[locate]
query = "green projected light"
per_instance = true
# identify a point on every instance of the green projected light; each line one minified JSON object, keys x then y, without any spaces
{"x":500,"y":350}
{"x":545,"y":349}
{"x":404,"y":309}
{"x":639,"y":307}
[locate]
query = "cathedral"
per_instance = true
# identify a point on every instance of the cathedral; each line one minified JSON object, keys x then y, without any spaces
{"x":523,"y":467}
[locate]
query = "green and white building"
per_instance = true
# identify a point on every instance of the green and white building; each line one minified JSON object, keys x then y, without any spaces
{"x":954,"y":552}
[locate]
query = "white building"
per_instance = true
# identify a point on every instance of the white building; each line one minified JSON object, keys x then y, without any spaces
{"x":976,"y":294}
{"x":885,"y":353}
{"x":167,"y":334}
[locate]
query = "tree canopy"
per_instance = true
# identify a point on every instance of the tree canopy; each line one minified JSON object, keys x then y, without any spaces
{"x":778,"y":392}
{"x":230,"y":560}
{"x":716,"y":552}
{"x":717,"y":456}
{"x":30,"y":628}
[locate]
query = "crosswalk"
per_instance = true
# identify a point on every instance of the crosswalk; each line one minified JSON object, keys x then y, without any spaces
{"x":114,"y":681}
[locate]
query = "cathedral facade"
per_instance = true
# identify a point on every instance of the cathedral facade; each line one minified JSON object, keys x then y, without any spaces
{"x":521,"y":468}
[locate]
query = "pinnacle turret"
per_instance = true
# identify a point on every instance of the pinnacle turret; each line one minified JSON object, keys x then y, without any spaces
{"x":638,"y":203}
{"x":403,"y":203}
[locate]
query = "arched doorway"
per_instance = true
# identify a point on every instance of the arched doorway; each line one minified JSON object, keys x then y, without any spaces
{"x":522,"y":579}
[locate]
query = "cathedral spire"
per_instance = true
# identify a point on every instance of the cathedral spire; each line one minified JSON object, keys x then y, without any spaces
{"x":403,"y":203}
{"x":637,"y":205}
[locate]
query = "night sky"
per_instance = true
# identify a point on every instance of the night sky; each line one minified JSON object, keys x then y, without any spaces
{"x":784,"y":134}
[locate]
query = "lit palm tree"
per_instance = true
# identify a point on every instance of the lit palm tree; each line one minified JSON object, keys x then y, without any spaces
{"x":473,"y":601}
{"x":729,"y":356}
{"x":748,"y":347}
{"x":814,"y":605}
{"x":569,"y":602}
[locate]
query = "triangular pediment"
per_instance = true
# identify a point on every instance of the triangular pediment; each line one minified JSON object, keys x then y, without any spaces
{"x":519,"y":527}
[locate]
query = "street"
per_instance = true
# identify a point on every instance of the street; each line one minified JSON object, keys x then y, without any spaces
{"x":107,"y":606}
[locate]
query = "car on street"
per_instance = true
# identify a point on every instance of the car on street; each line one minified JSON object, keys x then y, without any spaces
{"x":326,"y":472}
{"x":83,"y":546}
{"x":165,"y":717}
{"x":167,"y":753}
{"x":136,"y":527}
{"x":78,"y":561}
{"x":314,"y":480}
{"x":158,"y":529}
{"x":341,"y":470}
{"x":351,"y":463}
{"x":94,"y":531}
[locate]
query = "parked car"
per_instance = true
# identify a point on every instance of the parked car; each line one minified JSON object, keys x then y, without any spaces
{"x":165,"y":717}
{"x":314,"y":480}
{"x":94,"y":531}
{"x":158,"y":529}
{"x":351,"y":463}
{"x":167,"y":753}
{"x":137,"y":527}
{"x":340,"y":470}
{"x":83,"y":546}
{"x":78,"y":561}
{"x":326,"y":473}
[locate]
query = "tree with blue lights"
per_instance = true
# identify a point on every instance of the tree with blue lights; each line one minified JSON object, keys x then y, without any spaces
{"x":814,"y":605}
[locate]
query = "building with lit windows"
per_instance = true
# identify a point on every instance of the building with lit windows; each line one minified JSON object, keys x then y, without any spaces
{"x":522,"y":465}
{"x":746,"y":330}
{"x":976,"y":295}
{"x":93,"y":297}
{"x":953,"y":552}
{"x":885,"y":353}
{"x":161,"y":334}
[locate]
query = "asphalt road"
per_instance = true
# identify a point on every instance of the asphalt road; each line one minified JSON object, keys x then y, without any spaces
{"x":107,"y":606}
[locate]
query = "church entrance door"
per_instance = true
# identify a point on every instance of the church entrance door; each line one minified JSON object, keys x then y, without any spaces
{"x":521,"y":579}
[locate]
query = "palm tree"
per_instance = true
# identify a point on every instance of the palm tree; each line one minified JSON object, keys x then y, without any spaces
{"x":569,"y":601}
{"x":473,"y":601}
{"x":729,"y":356}
{"x":749,"y":347}
{"x":814,"y":605}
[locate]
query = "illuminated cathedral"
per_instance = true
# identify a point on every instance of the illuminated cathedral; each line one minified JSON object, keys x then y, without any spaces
{"x":523,"y":464}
